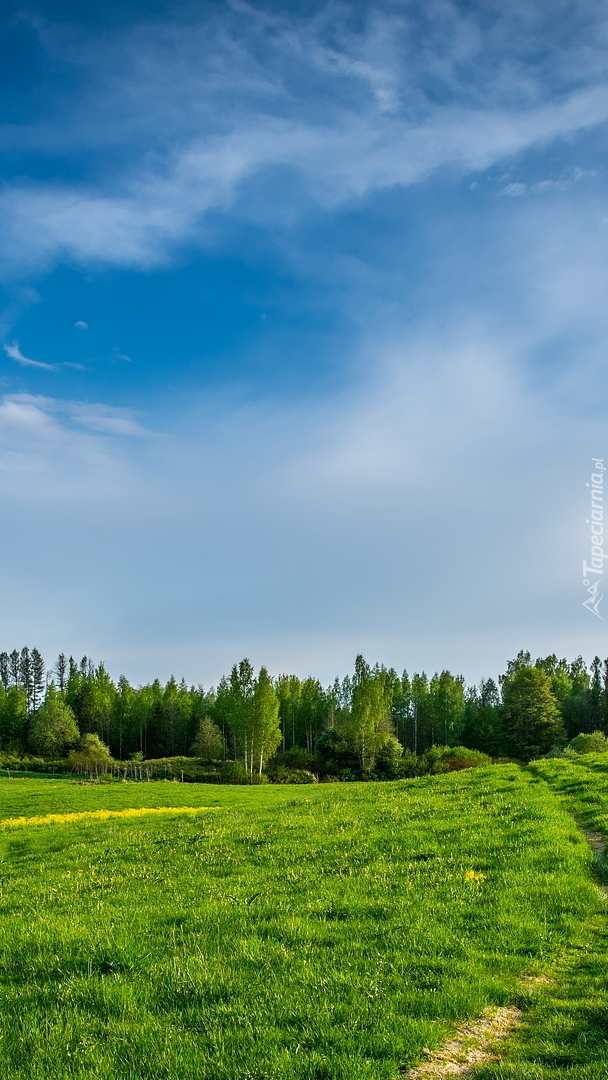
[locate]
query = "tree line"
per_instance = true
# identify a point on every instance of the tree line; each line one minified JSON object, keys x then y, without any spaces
{"x":371,"y":723}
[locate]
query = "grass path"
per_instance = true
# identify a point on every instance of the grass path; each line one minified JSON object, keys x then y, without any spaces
{"x":559,"y":1029}
{"x":472,"y":1044}
{"x":564,"y":1034}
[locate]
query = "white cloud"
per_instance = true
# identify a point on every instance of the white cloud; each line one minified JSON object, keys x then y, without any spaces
{"x":514,"y":190}
{"x":81,"y":325}
{"x":324,"y":113}
{"x":15,"y":354}
{"x":366,"y":522}
{"x":563,"y":183}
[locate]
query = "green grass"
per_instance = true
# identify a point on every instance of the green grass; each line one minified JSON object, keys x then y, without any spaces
{"x":42,"y":796}
{"x":317,"y":934}
{"x":582,"y":785}
{"x":565,"y":1036}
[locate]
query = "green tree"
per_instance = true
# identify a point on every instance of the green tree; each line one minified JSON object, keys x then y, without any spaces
{"x":4,"y":670}
{"x":235,"y":706}
{"x":13,"y":719}
{"x":289,"y":692}
{"x":37,"y":674}
{"x":266,"y":730}
{"x":91,"y":753}
{"x":209,"y":743}
{"x":421,"y":733}
{"x":447,"y":706}
{"x":368,"y":721}
{"x":595,"y":695}
{"x":61,"y":671}
{"x":484,"y":725}
{"x":122,"y":717}
{"x":53,"y":728}
{"x":401,"y":709}
{"x":532,"y":717}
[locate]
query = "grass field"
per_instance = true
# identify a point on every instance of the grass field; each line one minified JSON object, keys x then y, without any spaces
{"x":282,"y":933}
{"x":565,"y":1036}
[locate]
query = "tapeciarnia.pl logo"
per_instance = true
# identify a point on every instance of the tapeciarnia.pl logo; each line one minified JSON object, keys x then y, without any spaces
{"x":596,"y":521}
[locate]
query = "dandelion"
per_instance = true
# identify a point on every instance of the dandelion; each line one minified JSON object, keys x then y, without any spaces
{"x":474,"y":875}
{"x":99,"y":815}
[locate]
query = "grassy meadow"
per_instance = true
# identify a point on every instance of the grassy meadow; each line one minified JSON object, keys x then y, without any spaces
{"x":329,"y":933}
{"x":565,"y":1036}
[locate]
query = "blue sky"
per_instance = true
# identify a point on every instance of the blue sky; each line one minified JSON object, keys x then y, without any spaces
{"x":304,"y":326}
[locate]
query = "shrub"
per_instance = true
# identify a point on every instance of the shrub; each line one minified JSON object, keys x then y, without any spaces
{"x":233,"y":772}
{"x":334,"y":757}
{"x":294,"y":758}
{"x":593,"y":743}
{"x":209,"y":743}
{"x":389,"y":759}
{"x":442,"y":759}
{"x":282,"y":775}
{"x":91,"y":754}
{"x":29,"y":763}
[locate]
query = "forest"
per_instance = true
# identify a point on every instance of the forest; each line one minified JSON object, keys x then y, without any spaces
{"x":371,"y":724}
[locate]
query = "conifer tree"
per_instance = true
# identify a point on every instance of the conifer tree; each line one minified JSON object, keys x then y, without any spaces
{"x":37,"y":674}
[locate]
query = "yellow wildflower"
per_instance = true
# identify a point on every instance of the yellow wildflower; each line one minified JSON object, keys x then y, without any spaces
{"x":99,"y":815}
{"x":474,"y":875}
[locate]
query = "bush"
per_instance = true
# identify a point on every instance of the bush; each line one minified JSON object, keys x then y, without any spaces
{"x":282,"y":775}
{"x":294,"y":758}
{"x":209,"y":743}
{"x":91,"y":754}
{"x":334,"y":757}
{"x":594,"y":743}
{"x":411,"y":765}
{"x":30,"y":763}
{"x":233,"y":772}
{"x":389,"y":759}
{"x":442,"y":759}
{"x":191,"y":770}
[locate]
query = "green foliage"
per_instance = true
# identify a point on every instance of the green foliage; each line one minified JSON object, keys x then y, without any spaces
{"x":532,"y":717}
{"x":209,"y":743}
{"x":593,"y":743}
{"x":389,"y":758}
{"x":328,"y":931}
{"x":294,"y":758}
{"x":347,"y":730}
{"x":234,"y":772}
{"x":443,"y":759}
{"x":13,"y":718}
{"x":335,"y":756}
{"x":90,"y":754}
{"x":53,"y":728}
{"x":282,"y":775}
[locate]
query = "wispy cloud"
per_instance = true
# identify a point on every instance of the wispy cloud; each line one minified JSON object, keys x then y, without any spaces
{"x":104,"y":419}
{"x":15,"y":353}
{"x":563,"y":183}
{"x":326,"y":113}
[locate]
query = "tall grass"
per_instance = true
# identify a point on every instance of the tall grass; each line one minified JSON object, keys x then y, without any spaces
{"x":314,"y":935}
{"x":565,"y":1036}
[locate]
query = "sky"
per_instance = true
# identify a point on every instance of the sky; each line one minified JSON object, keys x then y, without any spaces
{"x":304,"y":332}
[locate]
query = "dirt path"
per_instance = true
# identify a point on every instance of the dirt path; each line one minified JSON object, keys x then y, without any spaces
{"x":597,"y":841}
{"x":472,"y":1044}
{"x":477,"y":1041}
